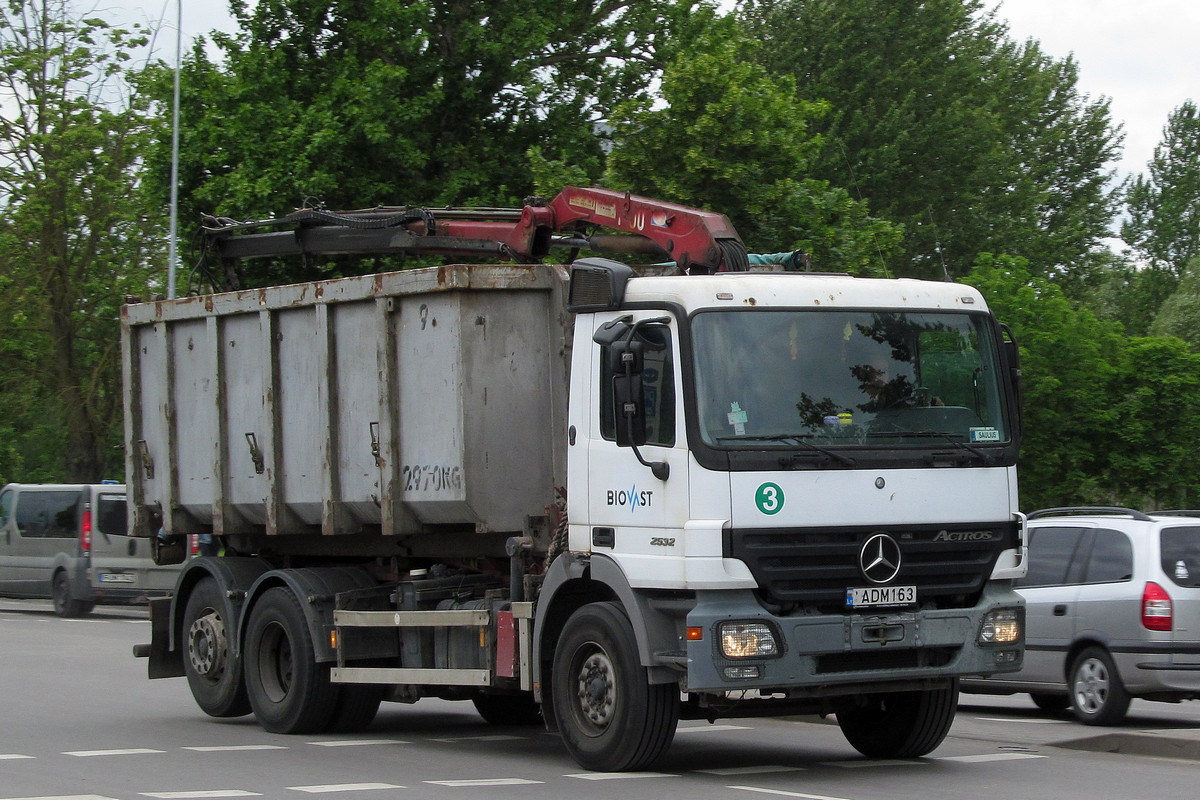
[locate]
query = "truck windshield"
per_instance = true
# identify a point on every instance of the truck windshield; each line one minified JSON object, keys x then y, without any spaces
{"x":847,"y":378}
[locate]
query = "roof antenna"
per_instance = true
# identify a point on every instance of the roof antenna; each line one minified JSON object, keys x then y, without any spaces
{"x":937,"y":247}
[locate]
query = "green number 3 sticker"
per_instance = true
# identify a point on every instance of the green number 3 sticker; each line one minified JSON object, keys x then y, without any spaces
{"x":769,"y":498}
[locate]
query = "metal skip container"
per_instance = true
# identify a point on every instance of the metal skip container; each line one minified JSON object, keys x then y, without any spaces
{"x":396,"y":404}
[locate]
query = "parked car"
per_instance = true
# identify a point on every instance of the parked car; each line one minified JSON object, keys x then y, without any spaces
{"x":1112,"y":612}
{"x":70,"y":543}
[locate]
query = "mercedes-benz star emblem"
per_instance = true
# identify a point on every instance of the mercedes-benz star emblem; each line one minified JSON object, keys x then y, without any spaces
{"x":879,"y":558}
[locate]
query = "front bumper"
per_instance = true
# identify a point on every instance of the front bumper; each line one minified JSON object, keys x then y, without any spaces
{"x":823,"y":655}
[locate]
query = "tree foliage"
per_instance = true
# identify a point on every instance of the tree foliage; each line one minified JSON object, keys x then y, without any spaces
{"x":724,"y":134}
{"x":971,"y":141}
{"x":1164,"y":207}
{"x":72,"y":239}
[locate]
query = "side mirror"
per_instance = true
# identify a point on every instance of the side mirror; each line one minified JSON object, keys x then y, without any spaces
{"x":627,"y":360}
{"x":629,"y":396}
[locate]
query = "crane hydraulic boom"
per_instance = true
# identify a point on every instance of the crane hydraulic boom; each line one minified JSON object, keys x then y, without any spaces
{"x":699,"y":242}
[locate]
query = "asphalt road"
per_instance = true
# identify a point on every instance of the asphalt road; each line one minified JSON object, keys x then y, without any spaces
{"x":79,"y":720}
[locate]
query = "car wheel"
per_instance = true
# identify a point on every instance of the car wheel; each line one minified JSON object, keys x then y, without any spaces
{"x":64,"y":604}
{"x":1097,"y":695}
{"x":1050,"y":702}
{"x":214,"y":673}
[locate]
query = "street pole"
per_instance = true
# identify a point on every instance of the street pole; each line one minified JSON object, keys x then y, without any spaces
{"x":173,"y":247}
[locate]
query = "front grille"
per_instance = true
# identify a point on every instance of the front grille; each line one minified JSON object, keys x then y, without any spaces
{"x":813,"y":567}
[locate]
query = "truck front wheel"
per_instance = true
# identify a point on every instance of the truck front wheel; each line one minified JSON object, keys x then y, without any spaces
{"x":900,"y":724}
{"x":611,"y":717}
{"x":213,"y":673}
{"x":289,"y":691}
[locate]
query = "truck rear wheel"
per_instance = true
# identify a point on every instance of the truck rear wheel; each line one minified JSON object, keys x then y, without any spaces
{"x":214,"y":674}
{"x":507,"y":709}
{"x":357,"y":705}
{"x":610,"y":716}
{"x":900,"y":724}
{"x":289,"y":691}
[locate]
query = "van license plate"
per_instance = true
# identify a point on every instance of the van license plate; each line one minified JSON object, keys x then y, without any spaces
{"x":117,"y":577}
{"x":873,"y":596}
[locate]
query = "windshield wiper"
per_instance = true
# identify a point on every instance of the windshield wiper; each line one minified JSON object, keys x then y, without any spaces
{"x":797,"y":439}
{"x":984,"y":456}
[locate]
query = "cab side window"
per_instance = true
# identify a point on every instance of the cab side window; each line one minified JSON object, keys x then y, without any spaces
{"x":1052,"y":557}
{"x":1111,"y":559}
{"x":6,"y":500}
{"x":658,"y":382}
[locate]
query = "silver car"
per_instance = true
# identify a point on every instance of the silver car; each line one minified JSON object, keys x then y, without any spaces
{"x":1113,"y":612}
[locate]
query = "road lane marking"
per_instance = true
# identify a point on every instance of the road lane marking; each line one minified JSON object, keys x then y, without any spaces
{"x":1026,"y":721}
{"x":619,"y":776}
{"x":201,"y":795}
{"x":357,"y":742}
{"x":231,"y":748}
{"x":64,"y":797}
{"x":782,"y":793}
{"x":989,"y":757}
{"x":485,"y":782}
{"x":499,"y":737}
{"x":345,"y":787}
{"x":758,"y":770}
{"x":12,"y":756}
{"x":133,"y":751}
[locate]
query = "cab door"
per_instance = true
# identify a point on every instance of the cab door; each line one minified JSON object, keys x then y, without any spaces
{"x":632,"y":514}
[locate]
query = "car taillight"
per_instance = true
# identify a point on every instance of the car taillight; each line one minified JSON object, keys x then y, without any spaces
{"x":85,"y":537}
{"x":1156,"y":608}
{"x":194,"y":541}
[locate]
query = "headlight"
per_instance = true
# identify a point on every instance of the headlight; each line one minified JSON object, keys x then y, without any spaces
{"x":747,"y":640}
{"x":1001,"y":626}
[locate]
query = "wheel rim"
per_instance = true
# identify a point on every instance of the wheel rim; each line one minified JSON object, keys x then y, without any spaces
{"x":596,"y":689}
{"x":1091,"y":686}
{"x":275,"y":663}
{"x":207,"y":650}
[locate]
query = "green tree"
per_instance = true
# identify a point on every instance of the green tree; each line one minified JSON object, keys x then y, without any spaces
{"x":971,"y":141}
{"x":352,"y":103}
{"x":1179,"y":315}
{"x":72,"y":242}
{"x":725,"y":135}
{"x":1158,"y":424}
{"x":1163,"y":225}
{"x":1068,"y":359}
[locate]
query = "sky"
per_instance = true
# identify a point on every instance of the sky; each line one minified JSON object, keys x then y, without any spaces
{"x":1141,"y":54}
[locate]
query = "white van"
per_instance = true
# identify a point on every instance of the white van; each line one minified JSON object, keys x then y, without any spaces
{"x":70,"y":543}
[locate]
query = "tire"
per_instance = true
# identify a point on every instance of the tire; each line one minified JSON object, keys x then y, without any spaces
{"x":1050,"y":703}
{"x":611,"y":717}
{"x":289,"y":691}
{"x":64,"y":605}
{"x":507,"y":709}
{"x":900,"y":724}
{"x":357,"y":705}
{"x":214,"y":672}
{"x":1098,"y":696}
